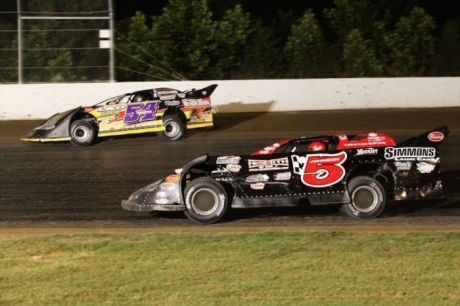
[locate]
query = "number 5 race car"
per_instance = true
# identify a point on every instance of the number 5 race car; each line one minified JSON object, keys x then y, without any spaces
{"x":165,"y":110}
{"x":359,"y":172}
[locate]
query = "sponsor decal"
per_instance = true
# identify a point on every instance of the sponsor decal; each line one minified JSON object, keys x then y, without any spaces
{"x":438,"y":185}
{"x":161,"y":194}
{"x":224,"y":179}
{"x":233,"y":168}
{"x":258,"y":186}
{"x":268,"y":165}
{"x":167,"y":97}
{"x":257,"y":178}
{"x":172,"y":103}
{"x":370,"y":151}
{"x":228,"y":160}
{"x":404,"y":165}
{"x":320,"y":170}
{"x":196,"y":102}
{"x":172,"y":178}
{"x":268,"y":150}
{"x":410,"y":153}
{"x":436,"y":136}
{"x":167,"y":186}
{"x":425,"y":167}
{"x":220,"y":170}
{"x":373,"y":137}
{"x":110,"y":108}
{"x":284,"y":176}
{"x":167,"y":94}
{"x":366,"y":144}
{"x":161,"y":201}
{"x":111,"y":114}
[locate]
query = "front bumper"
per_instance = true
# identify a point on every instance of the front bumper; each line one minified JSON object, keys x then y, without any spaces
{"x":162,"y":195}
{"x":54,"y":129}
{"x":134,"y":206}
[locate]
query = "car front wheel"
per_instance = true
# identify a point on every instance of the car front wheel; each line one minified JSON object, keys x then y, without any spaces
{"x":368,"y":198}
{"x":206,"y":200}
{"x":82,"y":133}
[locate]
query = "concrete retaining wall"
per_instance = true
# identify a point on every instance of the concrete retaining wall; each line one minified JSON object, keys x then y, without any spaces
{"x":38,"y":101}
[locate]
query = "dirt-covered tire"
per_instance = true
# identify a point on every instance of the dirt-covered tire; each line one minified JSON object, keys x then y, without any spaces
{"x":82,"y":133}
{"x":174,"y":129}
{"x":206,"y":200}
{"x":368,"y":198}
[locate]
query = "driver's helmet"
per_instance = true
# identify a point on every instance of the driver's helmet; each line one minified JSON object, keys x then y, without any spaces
{"x":139,"y":98}
{"x":317,"y":146}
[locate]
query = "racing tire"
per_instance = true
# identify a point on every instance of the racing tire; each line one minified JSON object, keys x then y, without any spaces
{"x":82,"y":133}
{"x":368,"y":198}
{"x":174,"y":129}
{"x":206,"y":200}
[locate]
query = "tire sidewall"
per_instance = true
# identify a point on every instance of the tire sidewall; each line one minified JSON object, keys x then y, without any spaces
{"x":352,"y":210}
{"x":210,"y":185}
{"x":87,"y":127}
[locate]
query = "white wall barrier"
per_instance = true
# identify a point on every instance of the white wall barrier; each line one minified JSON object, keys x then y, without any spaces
{"x":39,"y":101}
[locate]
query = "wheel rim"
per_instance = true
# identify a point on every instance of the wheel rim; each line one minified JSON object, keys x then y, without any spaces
{"x":81,"y":134}
{"x":172,"y":129}
{"x":205,"y":201}
{"x":365,"y":198}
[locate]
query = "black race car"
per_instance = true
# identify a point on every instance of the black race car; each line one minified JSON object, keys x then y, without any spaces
{"x":359,"y":172}
{"x":167,"y":111}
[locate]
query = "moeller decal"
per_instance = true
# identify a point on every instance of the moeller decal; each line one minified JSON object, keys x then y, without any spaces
{"x":320,"y":170}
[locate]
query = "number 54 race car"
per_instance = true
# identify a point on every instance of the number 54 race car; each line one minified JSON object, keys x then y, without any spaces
{"x":359,"y":172}
{"x":165,"y":110}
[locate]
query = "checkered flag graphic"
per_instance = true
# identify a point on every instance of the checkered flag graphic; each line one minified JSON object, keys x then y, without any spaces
{"x":298,"y":164}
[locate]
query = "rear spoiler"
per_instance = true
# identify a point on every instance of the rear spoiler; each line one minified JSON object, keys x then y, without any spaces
{"x":431,"y":138}
{"x":201,"y":93}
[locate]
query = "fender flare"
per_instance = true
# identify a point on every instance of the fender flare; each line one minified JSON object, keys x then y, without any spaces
{"x":185,"y":168}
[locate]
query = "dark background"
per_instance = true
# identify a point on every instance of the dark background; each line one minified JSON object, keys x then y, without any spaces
{"x":440,"y":9}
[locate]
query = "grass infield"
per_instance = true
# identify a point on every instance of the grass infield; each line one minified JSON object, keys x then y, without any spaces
{"x":268,"y":268}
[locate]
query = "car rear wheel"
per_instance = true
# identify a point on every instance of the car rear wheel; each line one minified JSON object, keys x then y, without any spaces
{"x":206,"y":200}
{"x":174,"y":129}
{"x":82,"y":133}
{"x":368,"y":198}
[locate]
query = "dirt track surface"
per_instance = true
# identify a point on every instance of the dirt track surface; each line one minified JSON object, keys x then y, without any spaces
{"x":60,"y":188}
